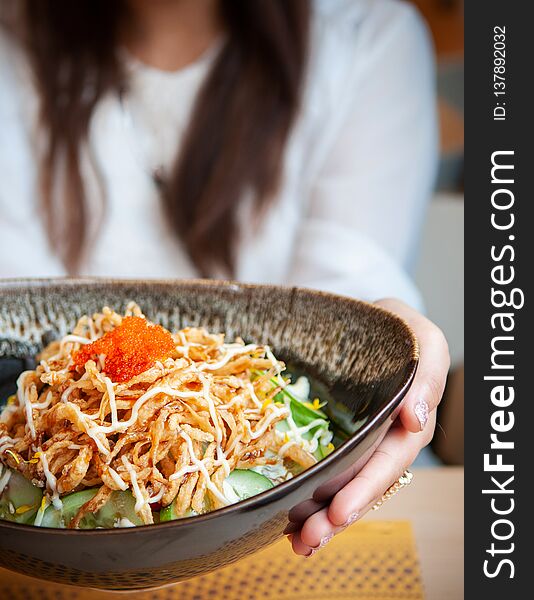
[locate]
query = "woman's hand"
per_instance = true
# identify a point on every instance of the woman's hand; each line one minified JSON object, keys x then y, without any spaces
{"x":412,"y":431}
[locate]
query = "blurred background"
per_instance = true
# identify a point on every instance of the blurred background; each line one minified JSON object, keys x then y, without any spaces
{"x":440,"y":273}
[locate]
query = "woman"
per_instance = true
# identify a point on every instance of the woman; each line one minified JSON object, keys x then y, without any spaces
{"x":282,"y":141}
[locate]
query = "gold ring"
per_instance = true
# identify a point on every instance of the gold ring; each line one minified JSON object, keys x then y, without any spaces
{"x":404,"y":480}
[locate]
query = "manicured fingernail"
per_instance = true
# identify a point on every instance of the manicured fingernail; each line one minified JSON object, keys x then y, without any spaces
{"x":353,"y":517}
{"x":292,"y":528}
{"x":421,"y":412}
{"x":324,"y":541}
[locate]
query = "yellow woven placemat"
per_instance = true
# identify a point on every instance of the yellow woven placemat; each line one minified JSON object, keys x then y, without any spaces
{"x":370,"y":561}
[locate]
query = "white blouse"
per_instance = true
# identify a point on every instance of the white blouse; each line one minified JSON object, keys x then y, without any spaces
{"x":358,"y":167}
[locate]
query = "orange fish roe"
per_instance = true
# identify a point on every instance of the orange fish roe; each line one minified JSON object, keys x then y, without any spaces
{"x":130,"y":349}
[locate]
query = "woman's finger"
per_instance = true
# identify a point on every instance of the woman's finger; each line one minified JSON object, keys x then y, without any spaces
{"x":318,"y":530}
{"x":299,"y":547}
{"x":397,"y":451}
{"x":427,"y":388}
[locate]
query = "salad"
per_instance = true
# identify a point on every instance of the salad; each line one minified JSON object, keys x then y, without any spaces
{"x":123,"y":423}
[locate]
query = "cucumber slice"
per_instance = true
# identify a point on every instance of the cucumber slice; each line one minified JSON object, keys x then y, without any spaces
{"x":72,"y":503}
{"x":168,"y":514}
{"x":20,"y":499}
{"x":121,"y":505}
{"x":247,"y":483}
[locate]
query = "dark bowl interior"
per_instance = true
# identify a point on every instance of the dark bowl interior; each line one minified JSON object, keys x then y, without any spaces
{"x":364,"y":356}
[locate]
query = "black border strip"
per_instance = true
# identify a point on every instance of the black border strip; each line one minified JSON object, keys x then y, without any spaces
{"x":485,"y":136}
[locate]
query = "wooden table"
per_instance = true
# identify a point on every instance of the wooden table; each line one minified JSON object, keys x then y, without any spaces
{"x":435,"y":506}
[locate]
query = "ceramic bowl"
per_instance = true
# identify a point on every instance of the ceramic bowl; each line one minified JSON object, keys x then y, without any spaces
{"x":364,"y":356}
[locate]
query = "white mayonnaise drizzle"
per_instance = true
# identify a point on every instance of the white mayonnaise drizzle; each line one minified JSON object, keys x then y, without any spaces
{"x":123,"y":522}
{"x":252,"y":411}
{"x":202,"y":468}
{"x":294,"y":435}
{"x":5,"y":443}
{"x":112,"y":403}
{"x":75,"y":339}
{"x":231,"y":447}
{"x":95,"y":431}
{"x":253,"y":395}
{"x":45,"y":403}
{"x":221,"y":456}
{"x":4,"y":479}
{"x":276,"y":366}
{"x":122,"y":425}
{"x":275,"y":412}
{"x":283,"y":449}
{"x":227,"y":357}
{"x":40,"y":513}
{"x":23,"y":397}
{"x":235,"y":400}
{"x":50,"y":480}
{"x":140,"y":500}
{"x":68,"y":339}
{"x":90,"y":429}
{"x":182,"y":471}
{"x":157,"y":497}
{"x":117,"y":479}
{"x":66,"y":394}
{"x":309,"y":426}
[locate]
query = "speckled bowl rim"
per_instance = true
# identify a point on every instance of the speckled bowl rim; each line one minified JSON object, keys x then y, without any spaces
{"x":277,"y":491}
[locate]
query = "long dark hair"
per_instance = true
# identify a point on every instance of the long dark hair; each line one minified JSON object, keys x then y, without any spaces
{"x":239,"y":126}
